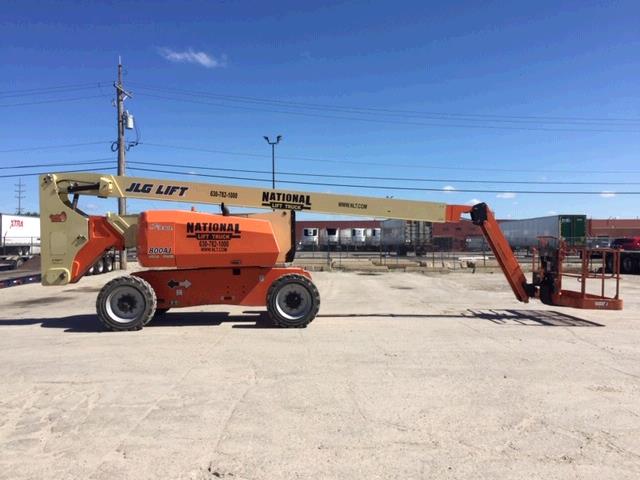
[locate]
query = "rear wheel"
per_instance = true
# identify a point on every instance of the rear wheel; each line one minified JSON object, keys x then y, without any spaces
{"x":293,"y":301}
{"x":108,"y":264}
{"x":99,"y":267}
{"x":126,"y":303}
{"x":609,"y":263}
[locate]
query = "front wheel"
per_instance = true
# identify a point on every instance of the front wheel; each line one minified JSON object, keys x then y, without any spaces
{"x":293,"y":301}
{"x":126,"y":303}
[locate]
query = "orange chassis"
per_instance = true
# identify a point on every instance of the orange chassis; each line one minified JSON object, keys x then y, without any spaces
{"x":214,"y":286}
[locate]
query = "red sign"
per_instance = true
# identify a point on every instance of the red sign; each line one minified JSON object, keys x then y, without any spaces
{"x":58,"y":217}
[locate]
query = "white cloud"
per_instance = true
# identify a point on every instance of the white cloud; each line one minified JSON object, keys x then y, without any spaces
{"x":607,"y":194}
{"x":552,"y":212}
{"x":192,"y":56}
{"x":448,"y":188}
{"x":506,"y":195}
{"x":473,"y":201}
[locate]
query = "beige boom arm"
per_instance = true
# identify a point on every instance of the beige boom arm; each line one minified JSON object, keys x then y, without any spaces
{"x":207,"y":193}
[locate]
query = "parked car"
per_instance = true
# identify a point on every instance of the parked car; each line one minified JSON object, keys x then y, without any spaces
{"x":597,"y":242}
{"x":626,"y":243}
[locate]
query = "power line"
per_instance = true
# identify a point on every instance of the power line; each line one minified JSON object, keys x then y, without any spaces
{"x":386,"y":178}
{"x":386,"y":187}
{"x":393,"y":122}
{"x":380,"y":164}
{"x":95,"y":161}
{"x":427,"y":114}
{"x":58,"y":100}
{"x":37,"y":174}
{"x":50,"y":90}
{"x":53,"y":147}
{"x":108,"y":160}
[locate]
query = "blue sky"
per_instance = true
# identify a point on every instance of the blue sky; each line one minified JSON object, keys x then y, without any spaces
{"x":501,"y":63}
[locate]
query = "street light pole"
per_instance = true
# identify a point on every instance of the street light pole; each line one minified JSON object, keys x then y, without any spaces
{"x":273,"y":158}
{"x":273,"y":166}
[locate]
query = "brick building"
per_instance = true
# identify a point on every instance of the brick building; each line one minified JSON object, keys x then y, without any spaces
{"x":614,"y":228}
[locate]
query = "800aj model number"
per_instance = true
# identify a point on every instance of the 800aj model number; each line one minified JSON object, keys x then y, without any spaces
{"x":159,"y":251}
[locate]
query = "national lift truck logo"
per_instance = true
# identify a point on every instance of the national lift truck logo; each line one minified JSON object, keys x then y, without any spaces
{"x":213,"y":231}
{"x":213,"y":237}
{"x":286,"y":201}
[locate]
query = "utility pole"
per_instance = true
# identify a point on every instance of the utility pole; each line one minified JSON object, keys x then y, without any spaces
{"x":273,"y":159}
{"x":19,"y":195}
{"x":121,"y":95}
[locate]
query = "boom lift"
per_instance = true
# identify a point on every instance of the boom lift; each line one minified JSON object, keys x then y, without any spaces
{"x":200,"y":258}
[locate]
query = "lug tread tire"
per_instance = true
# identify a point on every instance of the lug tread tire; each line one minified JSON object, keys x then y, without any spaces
{"x":147,"y":292}
{"x":282,"y":322}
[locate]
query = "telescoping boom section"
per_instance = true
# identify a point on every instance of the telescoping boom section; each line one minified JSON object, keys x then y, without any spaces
{"x":202,"y":258}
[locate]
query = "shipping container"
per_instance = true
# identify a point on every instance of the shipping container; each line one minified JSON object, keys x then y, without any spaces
{"x":406,"y":236}
{"x":525,"y":234}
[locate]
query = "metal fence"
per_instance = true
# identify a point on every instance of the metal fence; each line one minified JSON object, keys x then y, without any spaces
{"x":396,"y":254}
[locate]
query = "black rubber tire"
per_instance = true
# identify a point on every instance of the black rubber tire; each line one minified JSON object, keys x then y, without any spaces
{"x":627,"y":265}
{"x":609,"y":263}
{"x":108,"y":263}
{"x":545,"y":295}
{"x":99,"y":267}
{"x":146,"y":313}
{"x":277,"y":317}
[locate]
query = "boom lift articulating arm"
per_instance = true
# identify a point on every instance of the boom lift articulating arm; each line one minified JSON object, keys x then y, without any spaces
{"x":236,"y":259}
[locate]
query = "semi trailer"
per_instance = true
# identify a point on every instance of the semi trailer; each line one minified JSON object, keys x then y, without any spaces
{"x":19,"y":235}
{"x":405,"y":236}
{"x":525,"y":233}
